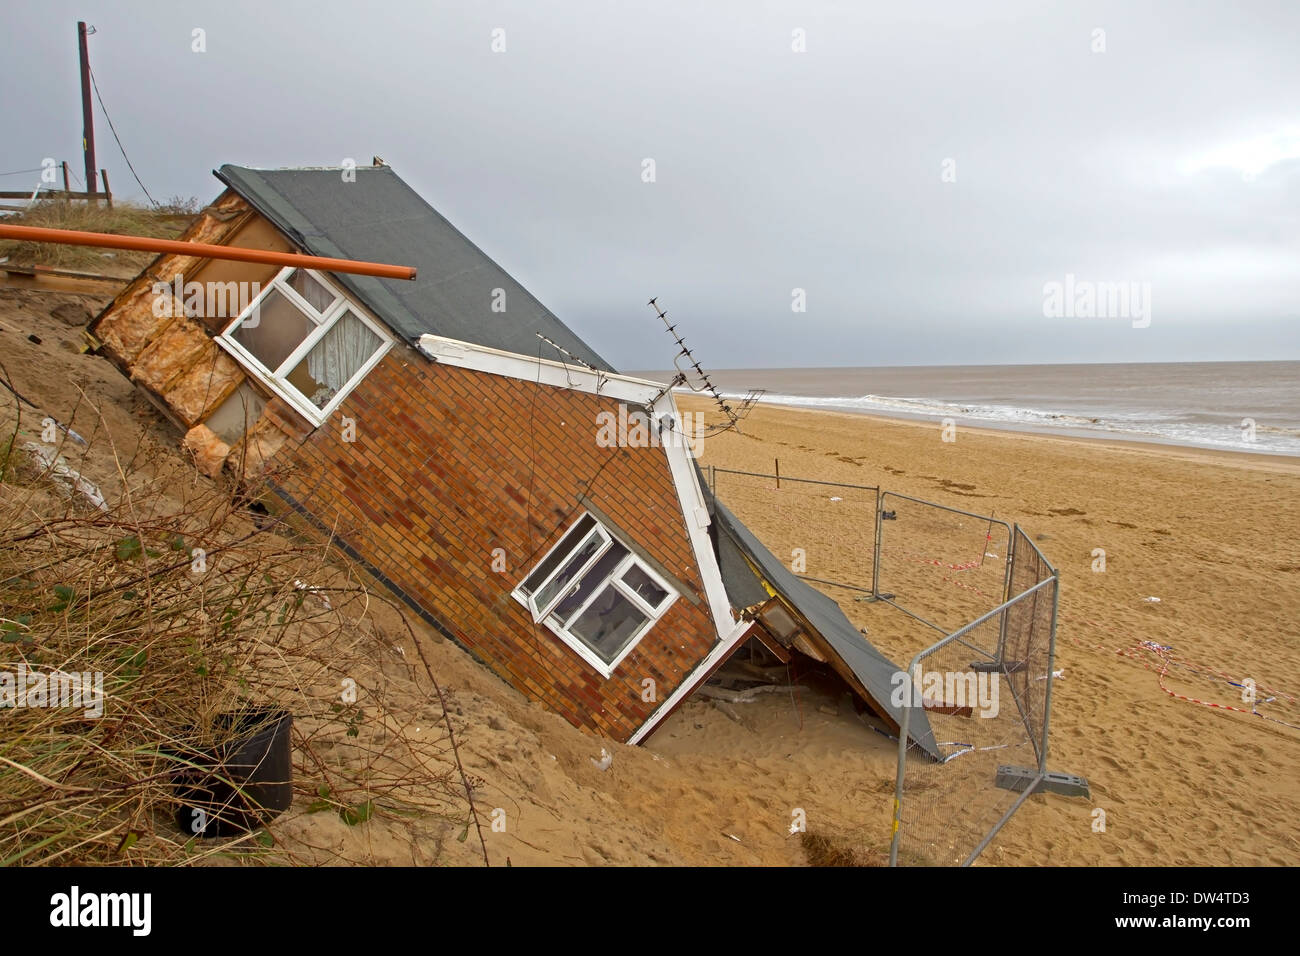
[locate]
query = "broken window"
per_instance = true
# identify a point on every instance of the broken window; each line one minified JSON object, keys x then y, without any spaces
{"x":306,"y":342}
{"x":595,"y":594}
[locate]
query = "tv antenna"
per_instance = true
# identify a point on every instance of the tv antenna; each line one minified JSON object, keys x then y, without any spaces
{"x":576,"y":359}
{"x":733,"y":414}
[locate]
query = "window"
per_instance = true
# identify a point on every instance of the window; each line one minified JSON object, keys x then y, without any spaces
{"x":594,"y":593}
{"x":307,"y":342}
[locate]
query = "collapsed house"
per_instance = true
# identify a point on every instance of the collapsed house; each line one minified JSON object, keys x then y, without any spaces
{"x":446,"y":434}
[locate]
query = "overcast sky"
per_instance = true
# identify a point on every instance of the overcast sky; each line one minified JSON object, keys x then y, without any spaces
{"x":1171,"y":158}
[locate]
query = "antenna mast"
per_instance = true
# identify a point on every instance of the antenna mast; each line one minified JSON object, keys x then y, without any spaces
{"x":734,"y":415}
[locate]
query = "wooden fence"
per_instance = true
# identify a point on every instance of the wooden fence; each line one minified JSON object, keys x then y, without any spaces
{"x":65,"y":194}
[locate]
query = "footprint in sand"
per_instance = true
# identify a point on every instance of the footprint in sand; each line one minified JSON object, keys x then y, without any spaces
{"x":1244,"y":809}
{"x":947,"y":483}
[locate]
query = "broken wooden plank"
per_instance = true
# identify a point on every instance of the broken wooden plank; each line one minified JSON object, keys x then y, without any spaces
{"x":772,"y":644}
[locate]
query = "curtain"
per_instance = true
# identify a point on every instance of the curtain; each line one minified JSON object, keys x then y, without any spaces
{"x":338,"y":355}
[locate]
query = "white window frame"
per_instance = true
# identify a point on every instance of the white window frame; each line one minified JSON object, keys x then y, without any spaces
{"x":541,"y":615}
{"x":276,"y":379}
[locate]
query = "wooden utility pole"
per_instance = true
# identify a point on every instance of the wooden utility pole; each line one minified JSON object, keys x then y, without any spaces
{"x":87,"y":115}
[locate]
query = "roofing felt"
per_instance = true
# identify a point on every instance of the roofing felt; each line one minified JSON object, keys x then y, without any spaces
{"x":379,"y":218}
{"x":873,"y":669}
{"x":743,"y":587}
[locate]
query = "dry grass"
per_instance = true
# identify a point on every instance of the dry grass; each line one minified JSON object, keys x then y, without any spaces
{"x":193,"y":605}
{"x":822,"y":850}
{"x":123,"y":219}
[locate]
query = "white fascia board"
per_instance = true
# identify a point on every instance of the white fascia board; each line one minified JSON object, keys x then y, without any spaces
{"x":530,"y":368}
{"x":720,"y":650}
{"x":695,"y":512}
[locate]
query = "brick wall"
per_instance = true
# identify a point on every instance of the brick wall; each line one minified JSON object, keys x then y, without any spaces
{"x":449,"y":464}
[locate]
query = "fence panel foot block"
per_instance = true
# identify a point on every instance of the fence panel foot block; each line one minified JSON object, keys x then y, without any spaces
{"x":1017,"y":779}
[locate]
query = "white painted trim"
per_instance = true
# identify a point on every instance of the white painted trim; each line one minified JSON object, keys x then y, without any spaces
{"x":480,"y":358}
{"x":724,"y":647}
{"x":531,"y":599}
{"x":695,"y":512}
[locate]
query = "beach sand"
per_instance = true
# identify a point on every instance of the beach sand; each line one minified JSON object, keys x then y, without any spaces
{"x":1213,"y":535}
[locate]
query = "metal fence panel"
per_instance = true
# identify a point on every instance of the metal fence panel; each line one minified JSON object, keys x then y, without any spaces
{"x":820,"y":529}
{"x":985,"y":686}
{"x":1028,"y":651}
{"x":947,"y":812}
{"x":940,"y":565}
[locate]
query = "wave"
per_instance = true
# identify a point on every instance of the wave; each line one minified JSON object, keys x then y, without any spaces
{"x":1147,"y":426}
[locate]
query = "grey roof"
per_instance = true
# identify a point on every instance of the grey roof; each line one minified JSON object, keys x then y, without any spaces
{"x":873,"y":669}
{"x":743,"y":587}
{"x":379,"y":218}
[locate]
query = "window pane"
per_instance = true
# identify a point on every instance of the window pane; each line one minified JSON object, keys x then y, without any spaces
{"x":274,"y":330}
{"x":609,"y":623}
{"x":317,"y":296}
{"x":596,"y":577}
{"x":644,"y":586}
{"x":567,"y":543}
{"x":564,"y":579}
{"x":333,"y":360}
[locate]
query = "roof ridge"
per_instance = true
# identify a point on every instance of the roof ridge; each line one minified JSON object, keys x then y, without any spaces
{"x":308,"y":169}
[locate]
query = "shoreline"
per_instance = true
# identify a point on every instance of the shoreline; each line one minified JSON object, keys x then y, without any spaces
{"x":1243,"y":458}
{"x":1241,"y":407}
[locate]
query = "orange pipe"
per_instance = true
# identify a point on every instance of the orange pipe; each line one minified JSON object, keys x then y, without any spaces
{"x":205,"y":250}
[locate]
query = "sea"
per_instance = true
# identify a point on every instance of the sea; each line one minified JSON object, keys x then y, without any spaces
{"x":1249,"y":407}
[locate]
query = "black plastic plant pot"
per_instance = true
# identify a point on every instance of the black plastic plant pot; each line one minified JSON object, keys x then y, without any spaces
{"x":244,"y":784}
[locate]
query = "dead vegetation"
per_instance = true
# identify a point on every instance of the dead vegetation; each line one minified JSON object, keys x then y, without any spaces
{"x":823,"y":850}
{"x":122,"y":219}
{"x":194,"y":606}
